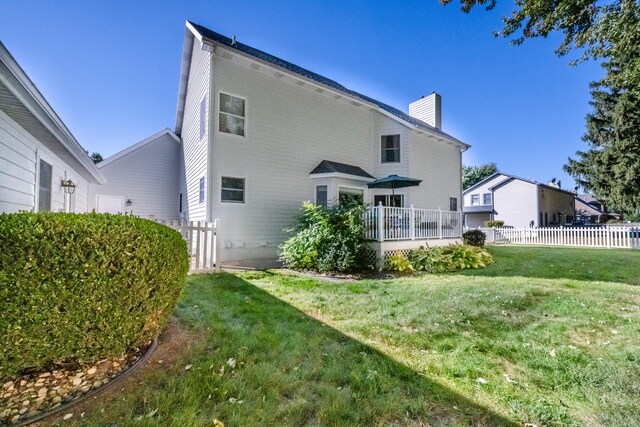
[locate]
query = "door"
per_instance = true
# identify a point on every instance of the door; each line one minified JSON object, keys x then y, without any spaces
{"x":109,"y":204}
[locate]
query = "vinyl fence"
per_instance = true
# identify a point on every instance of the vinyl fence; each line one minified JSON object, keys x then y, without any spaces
{"x":383,"y":223}
{"x":594,"y":237}
{"x":202,"y":242}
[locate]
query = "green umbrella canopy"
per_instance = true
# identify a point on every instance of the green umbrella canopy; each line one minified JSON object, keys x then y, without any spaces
{"x":393,"y":182}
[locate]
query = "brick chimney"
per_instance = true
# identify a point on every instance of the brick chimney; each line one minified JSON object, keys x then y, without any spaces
{"x":428,"y":109}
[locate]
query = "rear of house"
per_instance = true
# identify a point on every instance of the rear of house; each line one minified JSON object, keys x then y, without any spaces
{"x":42,"y":166}
{"x":261,"y":135}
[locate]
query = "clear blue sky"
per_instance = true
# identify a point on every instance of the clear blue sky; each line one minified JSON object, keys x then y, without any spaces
{"x":111,"y":68}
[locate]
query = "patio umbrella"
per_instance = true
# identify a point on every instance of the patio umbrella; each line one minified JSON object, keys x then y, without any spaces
{"x":393,"y":182}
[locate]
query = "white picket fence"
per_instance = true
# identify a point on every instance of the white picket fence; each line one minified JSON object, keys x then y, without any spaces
{"x":383,"y":223}
{"x":595,"y":237}
{"x":202,"y":242}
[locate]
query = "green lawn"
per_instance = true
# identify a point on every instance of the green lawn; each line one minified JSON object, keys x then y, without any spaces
{"x":548,"y":349}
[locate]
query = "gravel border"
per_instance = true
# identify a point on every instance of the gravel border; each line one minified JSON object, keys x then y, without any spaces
{"x":117,"y":380}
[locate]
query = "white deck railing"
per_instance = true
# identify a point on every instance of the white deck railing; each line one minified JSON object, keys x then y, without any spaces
{"x":201,"y":238}
{"x":383,"y":223}
{"x":595,"y":237}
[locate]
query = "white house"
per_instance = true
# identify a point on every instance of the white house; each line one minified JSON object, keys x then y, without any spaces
{"x":261,"y":135}
{"x":519,"y":202}
{"x":42,"y":166}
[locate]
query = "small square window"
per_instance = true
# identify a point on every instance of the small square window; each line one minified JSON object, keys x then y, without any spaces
{"x":232,"y":190}
{"x":321,"y":195}
{"x":486,"y":199}
{"x":203,"y":116}
{"x":201,"y":191}
{"x":475,"y":199}
{"x":232,"y":115}
{"x":390,"y":149}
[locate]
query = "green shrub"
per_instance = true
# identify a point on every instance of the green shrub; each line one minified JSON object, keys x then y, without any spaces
{"x":495,"y":223}
{"x":443,"y":259}
{"x":474,"y":237}
{"x":400,"y":264}
{"x":327,"y":240}
{"x":83,"y":287}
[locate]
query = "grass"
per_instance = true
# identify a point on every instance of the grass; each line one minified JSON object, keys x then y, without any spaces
{"x":430,"y":350}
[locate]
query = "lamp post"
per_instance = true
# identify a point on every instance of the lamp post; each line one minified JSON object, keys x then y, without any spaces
{"x":68,"y":186}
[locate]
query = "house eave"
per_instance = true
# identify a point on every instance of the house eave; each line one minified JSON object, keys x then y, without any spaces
{"x":137,"y":146}
{"x":340,"y":175}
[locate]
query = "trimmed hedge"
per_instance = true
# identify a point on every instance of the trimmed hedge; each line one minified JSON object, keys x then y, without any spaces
{"x":83,"y":287}
{"x":474,"y":237}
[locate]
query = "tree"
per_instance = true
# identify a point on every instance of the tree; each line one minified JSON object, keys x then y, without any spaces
{"x":471,"y":175}
{"x":96,"y":157}
{"x":610,"y":169}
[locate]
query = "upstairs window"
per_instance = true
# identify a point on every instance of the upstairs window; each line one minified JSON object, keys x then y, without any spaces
{"x":390,"y":149}
{"x":203,"y":116}
{"x":475,"y":199}
{"x":44,"y":187}
{"x":486,"y":199}
{"x":232,"y":190}
{"x":232,"y":115}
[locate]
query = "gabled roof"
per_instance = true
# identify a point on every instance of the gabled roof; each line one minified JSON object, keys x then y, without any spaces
{"x":327,"y":166}
{"x":138,"y":146}
{"x":510,"y":178}
{"x":206,"y":36}
{"x":21,"y":100}
{"x":478,"y":209}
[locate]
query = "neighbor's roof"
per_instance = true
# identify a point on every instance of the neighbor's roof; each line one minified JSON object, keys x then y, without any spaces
{"x":212,"y":37}
{"x":510,"y":178}
{"x":138,"y":146}
{"x":327,"y":166}
{"x":21,"y":100}
{"x":478,"y":209}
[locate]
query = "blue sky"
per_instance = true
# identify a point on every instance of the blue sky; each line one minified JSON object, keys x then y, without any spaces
{"x":111,"y":68}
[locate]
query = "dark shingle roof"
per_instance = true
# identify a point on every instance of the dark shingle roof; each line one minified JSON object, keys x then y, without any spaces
{"x":327,"y":166}
{"x":478,"y":209}
{"x":219,"y":38}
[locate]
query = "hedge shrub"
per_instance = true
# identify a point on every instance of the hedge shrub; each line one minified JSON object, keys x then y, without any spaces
{"x":327,"y":240}
{"x":494,"y":223}
{"x":474,"y":237}
{"x":83,"y":287}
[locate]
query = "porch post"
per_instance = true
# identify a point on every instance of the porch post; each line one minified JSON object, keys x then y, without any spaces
{"x":412,"y":223}
{"x":380,"y":222}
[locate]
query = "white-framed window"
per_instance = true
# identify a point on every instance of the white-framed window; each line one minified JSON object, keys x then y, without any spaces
{"x":232,"y":190}
{"x":486,"y":199}
{"x":453,"y":204}
{"x":203,"y":116}
{"x":232,"y":115}
{"x":396,"y":200}
{"x":390,"y":149}
{"x":45,"y":180}
{"x":201,"y":193}
{"x":475,"y":199}
{"x":321,"y":195}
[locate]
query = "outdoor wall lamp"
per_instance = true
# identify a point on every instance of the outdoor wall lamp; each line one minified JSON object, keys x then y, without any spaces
{"x":128,"y":202}
{"x":68,"y":186}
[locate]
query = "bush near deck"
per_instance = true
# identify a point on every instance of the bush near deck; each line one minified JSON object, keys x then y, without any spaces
{"x":83,"y":287}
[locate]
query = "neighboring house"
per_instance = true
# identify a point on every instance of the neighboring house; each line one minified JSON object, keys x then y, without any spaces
{"x":142,"y":180}
{"x":39,"y":157}
{"x":590,"y":210}
{"x":519,"y":202}
{"x":261,"y":135}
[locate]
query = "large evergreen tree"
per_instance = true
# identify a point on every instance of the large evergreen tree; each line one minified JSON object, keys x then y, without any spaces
{"x":610,"y":169}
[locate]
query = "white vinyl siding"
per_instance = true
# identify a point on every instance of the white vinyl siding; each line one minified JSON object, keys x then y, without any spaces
{"x":195,"y":149}
{"x":203,"y":117}
{"x":20,"y":154}
{"x":147,"y":176}
{"x":201,"y":187}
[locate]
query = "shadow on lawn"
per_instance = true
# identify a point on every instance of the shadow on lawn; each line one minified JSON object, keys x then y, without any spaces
{"x":548,"y":262}
{"x":297,"y":370}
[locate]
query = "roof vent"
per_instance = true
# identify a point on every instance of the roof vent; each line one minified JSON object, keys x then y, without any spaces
{"x":233,"y":41}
